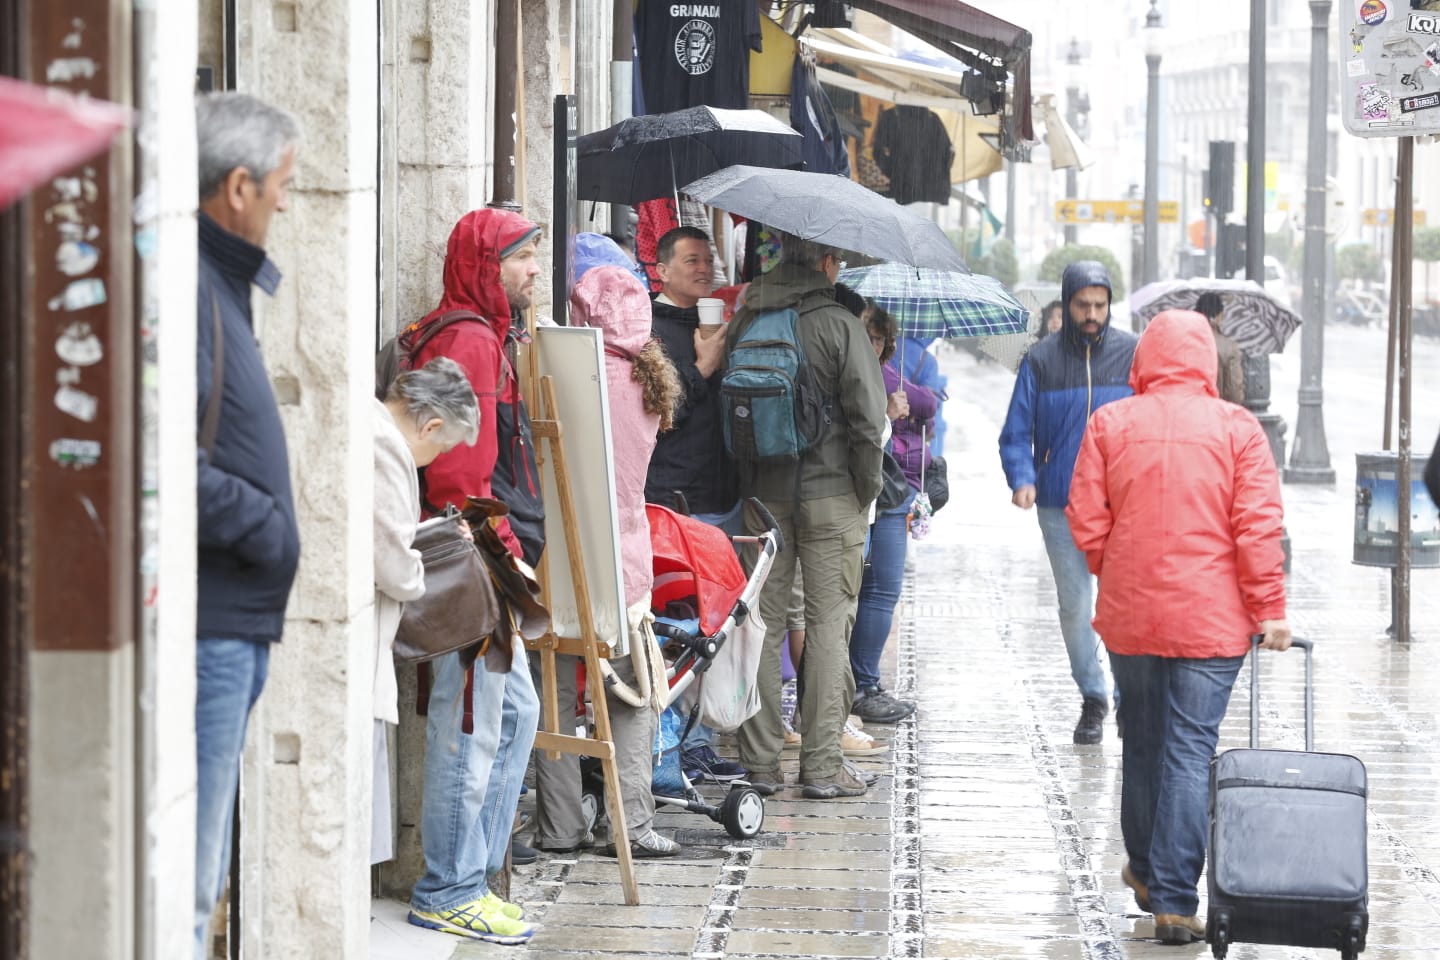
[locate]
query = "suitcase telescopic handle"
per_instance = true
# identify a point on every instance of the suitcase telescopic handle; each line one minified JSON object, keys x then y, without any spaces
{"x":1309,"y":647}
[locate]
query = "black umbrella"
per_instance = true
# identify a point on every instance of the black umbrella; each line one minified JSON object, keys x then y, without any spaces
{"x":832,"y":210}
{"x":644,"y":158}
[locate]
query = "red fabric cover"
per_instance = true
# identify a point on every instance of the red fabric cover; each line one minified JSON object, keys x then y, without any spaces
{"x":1176,"y":503}
{"x":472,"y":282}
{"x":653,"y":219}
{"x":694,"y":559}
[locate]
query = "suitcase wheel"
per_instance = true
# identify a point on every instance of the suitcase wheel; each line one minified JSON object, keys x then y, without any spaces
{"x":1219,"y":935}
{"x":1351,"y":947}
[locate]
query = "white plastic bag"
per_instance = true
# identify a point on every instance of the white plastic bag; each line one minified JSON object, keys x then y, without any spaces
{"x":727,"y":692}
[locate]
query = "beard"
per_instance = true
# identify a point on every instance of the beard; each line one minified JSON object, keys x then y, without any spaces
{"x":519,"y":299}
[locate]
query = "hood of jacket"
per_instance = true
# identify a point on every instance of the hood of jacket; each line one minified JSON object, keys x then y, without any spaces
{"x":472,"y":265}
{"x":612,"y":299}
{"x":1177,"y":350}
{"x":597,"y":250}
{"x":785,"y":286}
{"x":1078,"y":276}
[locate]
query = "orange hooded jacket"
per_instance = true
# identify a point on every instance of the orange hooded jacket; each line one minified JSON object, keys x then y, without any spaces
{"x":1176,"y":503}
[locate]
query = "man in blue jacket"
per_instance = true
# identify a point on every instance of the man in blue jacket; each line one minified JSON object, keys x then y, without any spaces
{"x":1062,"y":381}
{"x":245,"y":517}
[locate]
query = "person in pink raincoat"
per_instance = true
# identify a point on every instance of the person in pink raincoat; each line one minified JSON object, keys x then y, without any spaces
{"x":643,"y":388}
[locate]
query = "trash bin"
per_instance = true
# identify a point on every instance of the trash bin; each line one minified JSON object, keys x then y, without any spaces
{"x":1377,"y":518}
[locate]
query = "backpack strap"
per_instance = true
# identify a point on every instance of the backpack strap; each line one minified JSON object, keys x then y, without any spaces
{"x":210,"y":426}
{"x":410,"y":349}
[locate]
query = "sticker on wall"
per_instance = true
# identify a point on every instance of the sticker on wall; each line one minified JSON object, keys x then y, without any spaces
{"x":79,"y":346}
{"x":1427,"y":23}
{"x":1373,"y":12}
{"x":1427,"y":101}
{"x":79,"y":454}
{"x":1355,"y":68}
{"x":77,"y":403}
{"x":76,"y":257}
{"x":79,"y":295}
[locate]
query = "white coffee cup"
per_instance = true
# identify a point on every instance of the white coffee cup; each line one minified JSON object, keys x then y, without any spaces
{"x":712,"y":314}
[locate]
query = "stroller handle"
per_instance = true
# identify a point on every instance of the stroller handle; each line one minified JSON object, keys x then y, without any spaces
{"x":772,"y":527}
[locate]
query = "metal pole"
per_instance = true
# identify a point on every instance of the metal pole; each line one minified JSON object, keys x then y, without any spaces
{"x":1310,"y":456}
{"x":1404,"y":210}
{"x":1072,"y":116}
{"x":1255,"y":149}
{"x":1151,"y":269}
{"x":621,"y":80}
{"x":507,"y":39}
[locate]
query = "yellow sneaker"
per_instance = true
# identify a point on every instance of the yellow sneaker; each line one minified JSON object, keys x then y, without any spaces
{"x":491,"y":902}
{"x":480,"y":919}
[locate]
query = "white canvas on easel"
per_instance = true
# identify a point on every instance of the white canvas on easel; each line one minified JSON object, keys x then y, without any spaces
{"x":575,"y":358}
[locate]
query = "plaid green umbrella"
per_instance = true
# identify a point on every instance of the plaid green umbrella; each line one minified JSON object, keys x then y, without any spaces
{"x":940,"y":303}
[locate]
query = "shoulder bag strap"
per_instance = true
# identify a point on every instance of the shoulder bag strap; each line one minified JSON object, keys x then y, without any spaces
{"x":210,"y":426}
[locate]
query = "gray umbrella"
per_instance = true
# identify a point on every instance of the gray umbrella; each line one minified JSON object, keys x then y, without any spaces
{"x":829,"y":209}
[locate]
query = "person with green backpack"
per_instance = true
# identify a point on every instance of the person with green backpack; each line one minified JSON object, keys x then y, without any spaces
{"x":803,"y":409}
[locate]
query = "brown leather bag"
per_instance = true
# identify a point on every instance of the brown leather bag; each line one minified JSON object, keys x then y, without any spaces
{"x":514,"y":580}
{"x":459,"y":608}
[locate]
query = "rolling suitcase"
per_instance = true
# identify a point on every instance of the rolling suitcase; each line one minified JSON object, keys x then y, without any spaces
{"x":1287,"y":862}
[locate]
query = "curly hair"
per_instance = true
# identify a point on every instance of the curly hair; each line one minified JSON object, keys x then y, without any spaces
{"x":653,"y":370}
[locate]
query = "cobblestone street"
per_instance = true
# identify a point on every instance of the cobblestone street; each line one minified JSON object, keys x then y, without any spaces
{"x":989,"y":833}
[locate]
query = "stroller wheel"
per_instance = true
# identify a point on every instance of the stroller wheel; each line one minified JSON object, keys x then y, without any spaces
{"x":743,"y":813}
{"x":590,"y":808}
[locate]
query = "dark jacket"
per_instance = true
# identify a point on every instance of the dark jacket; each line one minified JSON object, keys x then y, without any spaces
{"x":245,"y":517}
{"x":912,"y":147}
{"x":1062,"y":381}
{"x":690,"y":457}
{"x":847,"y":458}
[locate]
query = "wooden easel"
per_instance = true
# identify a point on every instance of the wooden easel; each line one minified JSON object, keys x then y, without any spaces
{"x":587,"y":646}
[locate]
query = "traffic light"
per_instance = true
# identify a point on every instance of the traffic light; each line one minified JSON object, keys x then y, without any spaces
{"x":1220,"y":178}
{"x":1230,"y":250}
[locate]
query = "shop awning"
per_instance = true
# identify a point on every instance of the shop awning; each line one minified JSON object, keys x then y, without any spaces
{"x":976,"y":39}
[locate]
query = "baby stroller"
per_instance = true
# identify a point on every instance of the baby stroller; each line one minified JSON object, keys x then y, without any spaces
{"x":701,"y":598}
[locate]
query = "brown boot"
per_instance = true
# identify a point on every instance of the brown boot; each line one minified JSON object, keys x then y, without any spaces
{"x":1173,"y":928}
{"x":1142,"y":892}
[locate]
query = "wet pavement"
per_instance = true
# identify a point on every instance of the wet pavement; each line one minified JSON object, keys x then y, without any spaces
{"x":989,"y":833}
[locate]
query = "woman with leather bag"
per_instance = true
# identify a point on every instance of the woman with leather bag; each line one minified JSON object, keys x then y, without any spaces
{"x":426,"y":412}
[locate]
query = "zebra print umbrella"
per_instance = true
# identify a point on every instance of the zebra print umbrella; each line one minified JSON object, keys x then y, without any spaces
{"x":1255,"y":320}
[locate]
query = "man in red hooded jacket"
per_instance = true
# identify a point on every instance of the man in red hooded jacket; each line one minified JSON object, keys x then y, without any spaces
{"x":472,"y":781}
{"x":1176,"y":504}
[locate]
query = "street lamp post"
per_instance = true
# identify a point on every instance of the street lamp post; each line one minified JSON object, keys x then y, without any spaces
{"x":1072,"y":117}
{"x":1309,"y":454}
{"x":1154,"y":37}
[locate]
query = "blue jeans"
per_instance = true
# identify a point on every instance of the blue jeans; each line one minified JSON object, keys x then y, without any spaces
{"x":879,"y":592}
{"x":458,"y":816}
{"x":1074,"y":588}
{"x":732,"y":521}
{"x":229,"y":675}
{"x":519,"y":719}
{"x":1172,"y":708}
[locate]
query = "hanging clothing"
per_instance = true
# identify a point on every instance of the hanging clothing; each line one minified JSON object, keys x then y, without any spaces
{"x":693,"y":54}
{"x":912,"y":147}
{"x":823,"y":148}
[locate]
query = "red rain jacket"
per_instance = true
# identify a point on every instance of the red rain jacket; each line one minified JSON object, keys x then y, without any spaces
{"x":472,"y":282}
{"x":1176,"y":503}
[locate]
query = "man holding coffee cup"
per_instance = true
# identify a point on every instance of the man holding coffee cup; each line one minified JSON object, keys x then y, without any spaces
{"x":690,"y":459}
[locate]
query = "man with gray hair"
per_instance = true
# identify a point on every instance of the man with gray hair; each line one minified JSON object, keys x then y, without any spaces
{"x":245,"y":518}
{"x":822,"y":504}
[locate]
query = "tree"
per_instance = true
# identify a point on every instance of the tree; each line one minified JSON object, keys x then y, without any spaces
{"x":999,"y":263}
{"x":1427,"y":250}
{"x":1055,"y":262}
{"x":1356,"y":262}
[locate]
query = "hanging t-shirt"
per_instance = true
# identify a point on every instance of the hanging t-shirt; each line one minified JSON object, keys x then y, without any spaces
{"x":693,"y":54}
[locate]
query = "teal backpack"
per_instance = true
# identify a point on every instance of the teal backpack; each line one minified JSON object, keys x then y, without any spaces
{"x":773,"y":408}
